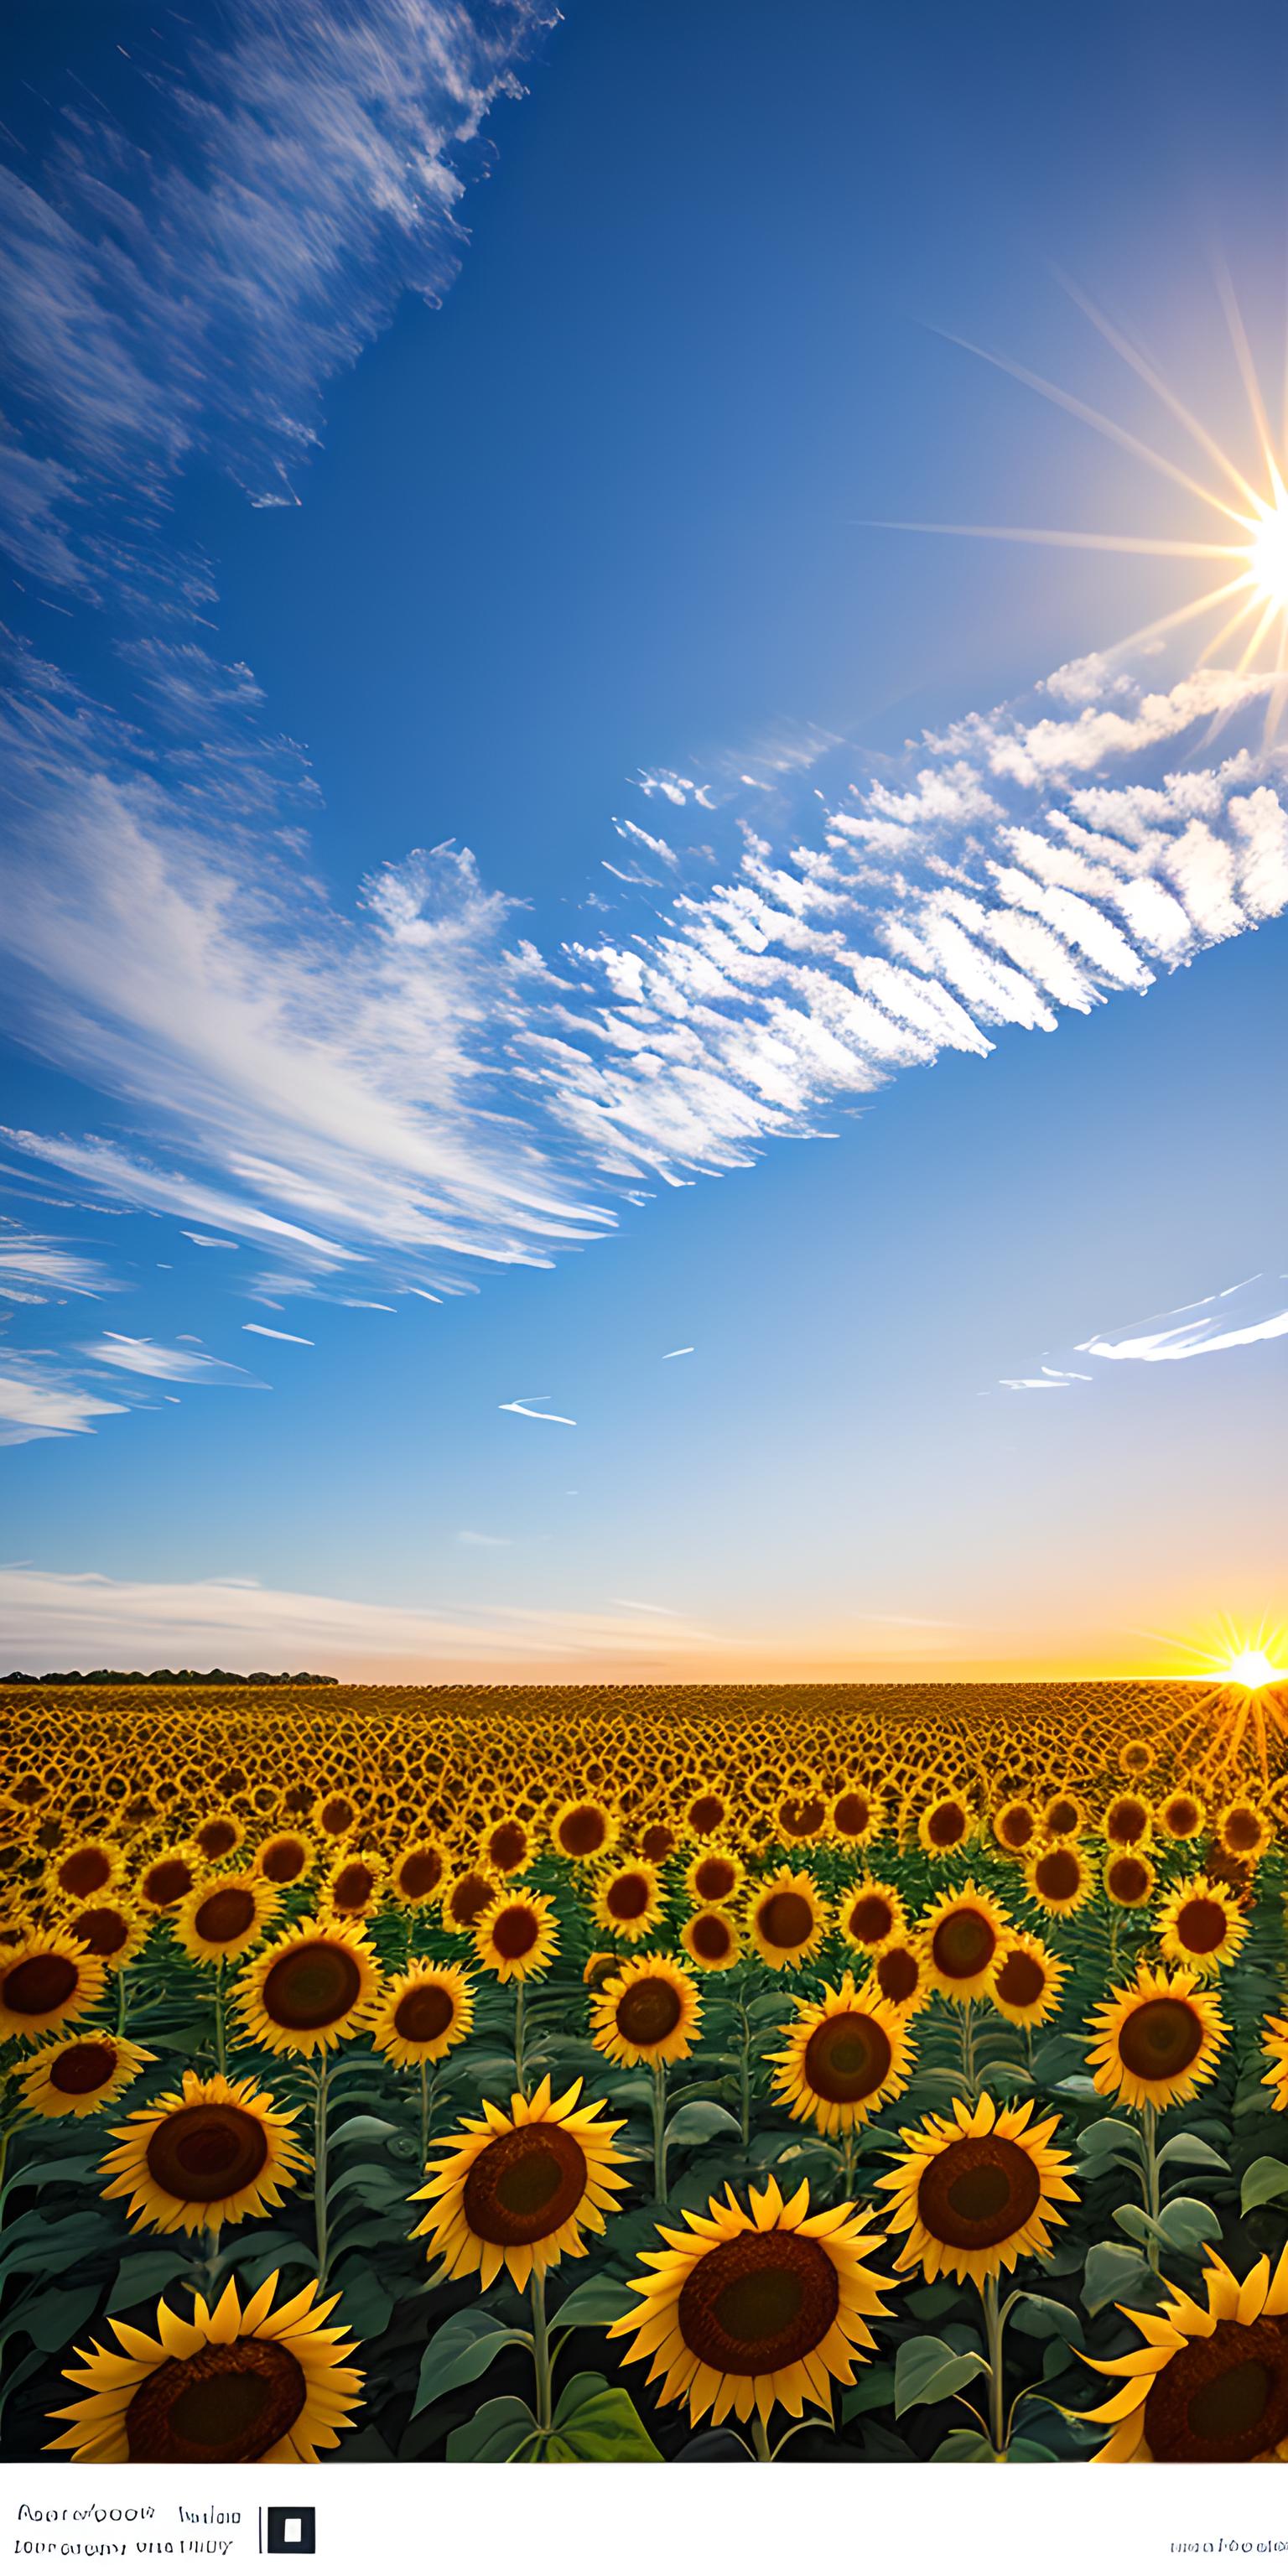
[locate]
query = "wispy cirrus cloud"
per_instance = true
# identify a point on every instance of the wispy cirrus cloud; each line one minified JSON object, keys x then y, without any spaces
{"x":35,"y":1268}
{"x":1231,"y":1319}
{"x":40,"y":1402}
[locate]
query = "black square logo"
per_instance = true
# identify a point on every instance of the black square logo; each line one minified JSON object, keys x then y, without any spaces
{"x":290,"y":2531}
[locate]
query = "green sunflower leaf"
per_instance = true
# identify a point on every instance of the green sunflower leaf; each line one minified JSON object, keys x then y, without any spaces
{"x":695,"y":2122}
{"x":1265,"y":2180}
{"x":604,"y":2426}
{"x":926,"y":2369}
{"x":460,"y":2351}
{"x":497,"y":2431}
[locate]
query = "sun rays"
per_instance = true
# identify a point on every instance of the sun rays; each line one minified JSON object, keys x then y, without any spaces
{"x":1246,"y":611}
{"x":1245,"y":1702}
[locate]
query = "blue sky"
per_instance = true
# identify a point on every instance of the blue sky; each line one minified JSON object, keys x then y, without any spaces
{"x":464,"y":436}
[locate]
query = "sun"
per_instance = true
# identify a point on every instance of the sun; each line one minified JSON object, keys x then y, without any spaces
{"x":1251,"y":1670}
{"x":1245,"y":553}
{"x":1240,"y":1714}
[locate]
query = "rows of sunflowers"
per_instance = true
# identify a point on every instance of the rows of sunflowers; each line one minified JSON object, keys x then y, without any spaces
{"x":567,"y":2075}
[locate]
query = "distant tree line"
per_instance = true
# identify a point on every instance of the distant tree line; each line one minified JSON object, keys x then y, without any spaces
{"x":104,"y":1673}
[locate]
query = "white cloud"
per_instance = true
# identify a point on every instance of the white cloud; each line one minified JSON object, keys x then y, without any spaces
{"x":42,"y":1404}
{"x":139,"y":1357}
{"x":527,"y":1405}
{"x":270,"y":1334}
{"x":1232,"y":1319}
{"x":35,"y":1268}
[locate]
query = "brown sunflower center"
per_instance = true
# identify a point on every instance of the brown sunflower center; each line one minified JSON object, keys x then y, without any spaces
{"x":898,"y":1976}
{"x":1058,"y":1876}
{"x":166,"y":1882}
{"x":802,"y":1817}
{"x":709,"y":1937}
{"x":583,"y":1831}
{"x":1126,"y":1820}
{"x":658,"y":1844}
{"x":706,"y":1815}
{"x":1182,"y":1817}
{"x":233,"y":2401}
{"x":946,"y":1823}
{"x":851,"y":1813}
{"x":1202,"y":1924}
{"x":311,"y":1985}
{"x":39,"y":1985}
{"x":648,"y":2011}
{"x":1242,"y":1829}
{"x":103,"y":1930}
{"x":217,"y":1840}
{"x":354,"y":1887}
{"x":847,"y":2057}
{"x":84,"y":2066}
{"x":225,"y":1915}
{"x":871,"y":1918}
{"x":628,"y":1897}
{"x":83,"y":1871}
{"x":1223,"y":2397}
{"x":423,"y":2013}
{"x":1016,"y":1826}
{"x":516,"y":1931}
{"x":283,"y":1860}
{"x":1160,"y":2038}
{"x":207,"y":2151}
{"x":786,"y":1919}
{"x":1020,"y":1980}
{"x":337,"y":1815}
{"x":470,"y":1897}
{"x":525,"y":2185}
{"x":420,"y":1873}
{"x":714,"y":1878}
{"x":976,"y":2192}
{"x":1062,"y":1816}
{"x":1128,"y":1879}
{"x":963,"y":1943}
{"x":759,"y":2302}
{"x":507,"y":1846}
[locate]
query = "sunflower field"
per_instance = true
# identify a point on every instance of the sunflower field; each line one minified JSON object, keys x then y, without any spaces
{"x":546,"y":2075}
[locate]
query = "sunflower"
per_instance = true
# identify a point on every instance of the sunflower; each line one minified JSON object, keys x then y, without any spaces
{"x":855,"y":1817}
{"x":203,"y":2158}
{"x":218,"y":1837}
{"x":113,"y":1931}
{"x":786,"y":1918}
{"x":800,"y":1817}
{"x":1129,"y":1878}
{"x":1201,"y":1924}
{"x":648,"y":2014}
{"x":1064,"y":1816}
{"x":1209,"y":2382}
{"x":628,"y":1900}
{"x":418,"y":1872}
{"x":225,"y":1916}
{"x":1242,"y":1830}
{"x":583,"y":1829}
{"x":423,"y":2013}
{"x":284,"y":1859}
{"x":900,"y":1976}
{"x":315,"y":1985}
{"x":600,"y":1966}
{"x":1274,"y":2042}
{"x":353,"y":1885}
{"x":506,"y":1845}
{"x":518,"y":2187}
{"x":1058,"y":1878}
{"x":844,"y":2058}
{"x":168,"y":1877}
{"x":1029,"y":1978}
{"x":870,"y":1914}
{"x":711,"y":1939}
{"x":714,"y":1875}
{"x":657,"y":1842}
{"x":517,"y":1935}
{"x":244,"y":2384}
{"x":944,"y":1825}
{"x":1126,"y":1821}
{"x":1182,"y":1816}
{"x":1157,"y":2040}
{"x":759,"y":2307}
{"x":335,"y":1814}
{"x":1137,"y":1757}
{"x":1015,"y":1825}
{"x":963,"y":1935}
{"x":81,"y":1870}
{"x":706,"y":1814}
{"x":72,"y":2077}
{"x":468,"y":1897}
{"x":45,"y":1981}
{"x":976,"y":2190}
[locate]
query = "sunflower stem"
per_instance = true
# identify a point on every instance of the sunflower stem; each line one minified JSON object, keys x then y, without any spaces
{"x":1153,"y":2196}
{"x":968,"y":2044}
{"x":659,"y":2129}
{"x":543,"y":2370}
{"x":760,"y":2437}
{"x":744,"y":2073}
{"x":847,"y":2164}
{"x":426,"y":2108}
{"x":319,"y":2165}
{"x":994,"y":2326}
{"x":120,"y":2003}
{"x":221,"y":2045}
{"x":518,"y":2032}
